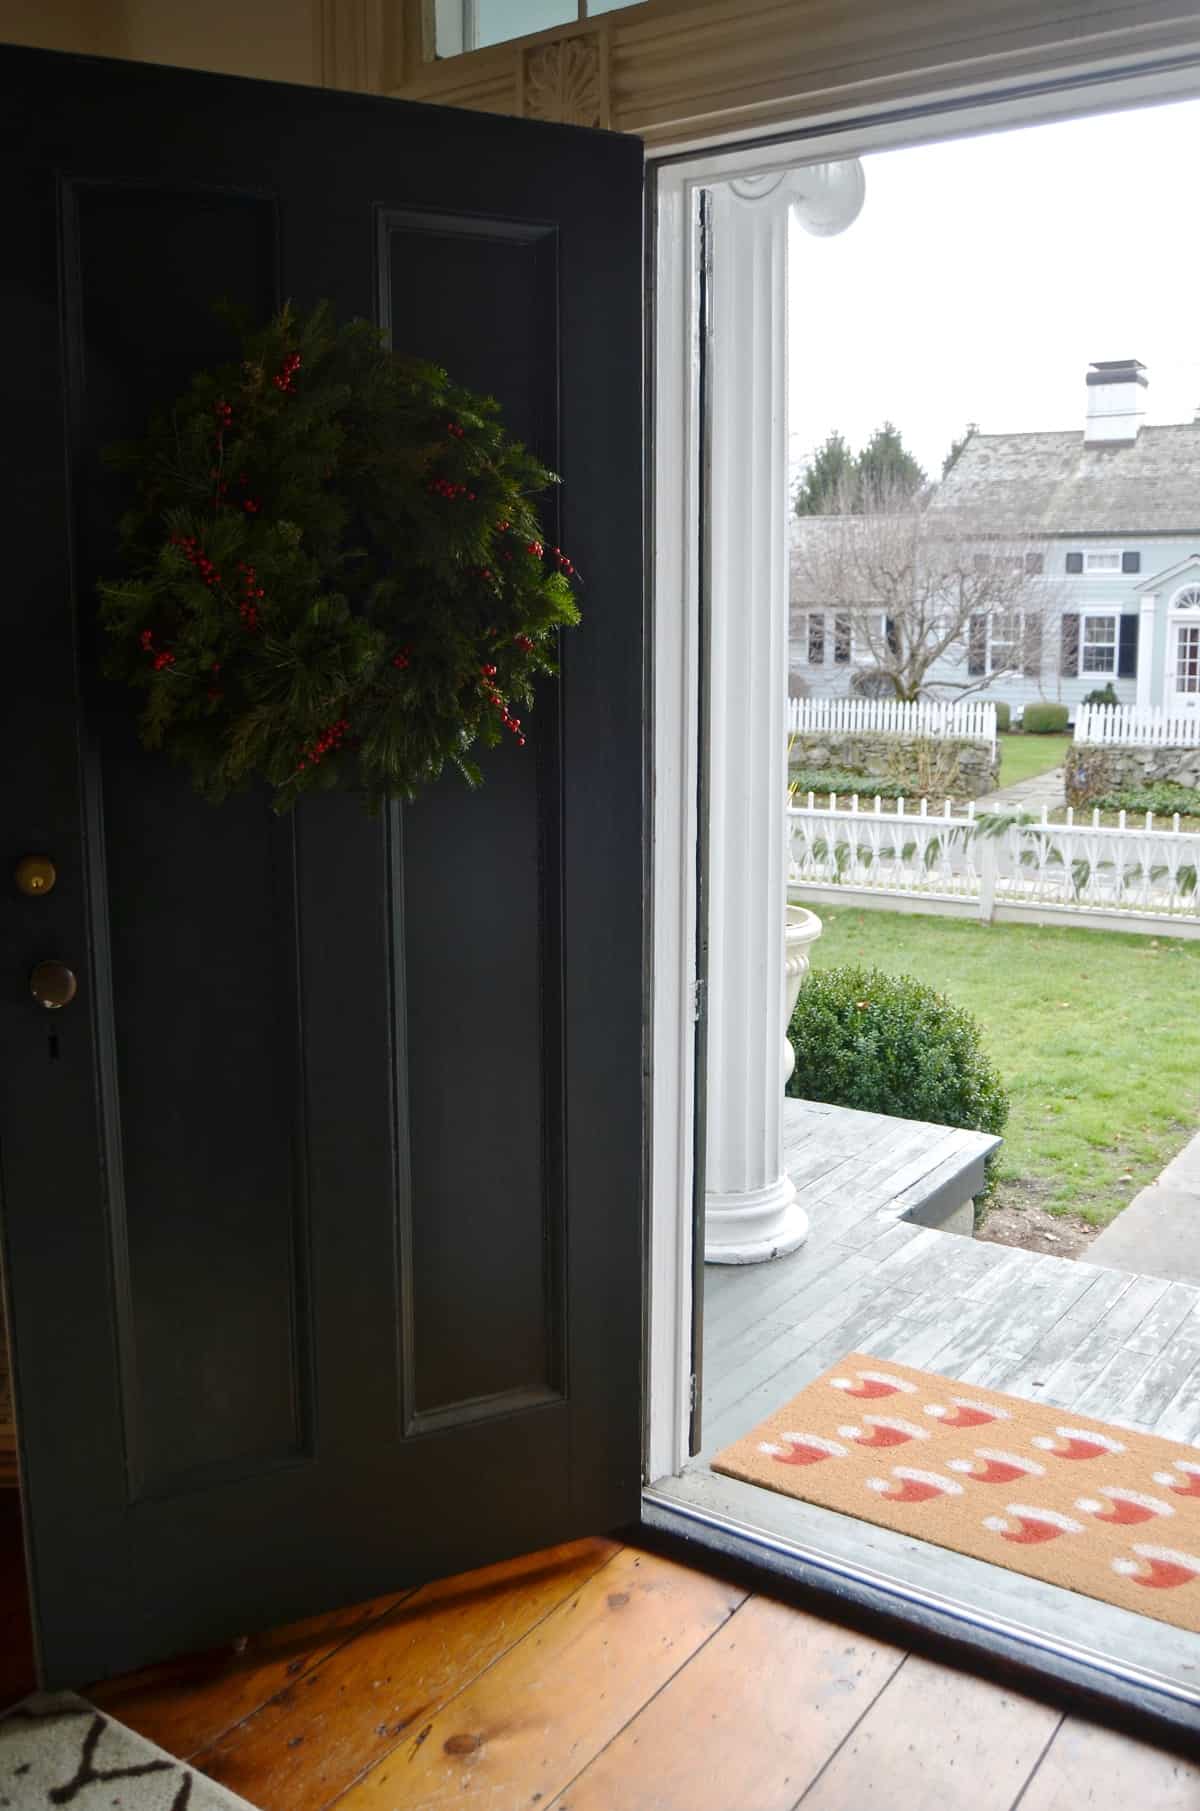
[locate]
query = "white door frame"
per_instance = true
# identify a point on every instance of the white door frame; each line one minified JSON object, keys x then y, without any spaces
{"x":674,"y":459}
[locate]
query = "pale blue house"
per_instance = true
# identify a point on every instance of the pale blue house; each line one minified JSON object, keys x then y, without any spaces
{"x":1110,"y":517}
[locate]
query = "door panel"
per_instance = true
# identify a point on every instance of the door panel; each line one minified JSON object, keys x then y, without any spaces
{"x":322,"y":1203}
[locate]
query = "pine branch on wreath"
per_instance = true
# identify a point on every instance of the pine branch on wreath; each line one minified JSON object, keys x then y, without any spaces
{"x":335,"y":573}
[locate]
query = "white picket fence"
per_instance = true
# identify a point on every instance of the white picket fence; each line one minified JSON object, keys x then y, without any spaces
{"x":971,"y":720}
{"x":1136,"y":726}
{"x":1131,"y":876}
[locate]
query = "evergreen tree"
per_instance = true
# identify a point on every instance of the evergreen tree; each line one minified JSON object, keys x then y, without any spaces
{"x":885,"y":467}
{"x":957,"y":447}
{"x":830,"y":475}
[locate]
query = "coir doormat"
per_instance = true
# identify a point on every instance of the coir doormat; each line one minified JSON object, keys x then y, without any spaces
{"x":57,"y":1750}
{"x":1097,"y":1508}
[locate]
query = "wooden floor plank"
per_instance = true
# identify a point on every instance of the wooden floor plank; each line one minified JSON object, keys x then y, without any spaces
{"x":533,"y":1721}
{"x":935,"y":1740}
{"x":1091,"y":1769}
{"x":185,"y":1704}
{"x":747,"y":1724}
{"x":312,"y":1741}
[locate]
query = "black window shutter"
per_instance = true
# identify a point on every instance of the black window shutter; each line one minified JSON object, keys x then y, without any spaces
{"x":1068,"y":661}
{"x":893,"y":635}
{"x":977,"y":645}
{"x":1074,"y":562}
{"x":1032,"y":664}
{"x":1131,"y":562}
{"x":1127,"y":648}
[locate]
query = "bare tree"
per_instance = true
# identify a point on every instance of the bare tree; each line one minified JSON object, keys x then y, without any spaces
{"x":922,"y":599}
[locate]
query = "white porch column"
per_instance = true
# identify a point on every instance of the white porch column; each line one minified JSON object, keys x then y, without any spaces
{"x":751,"y":1212}
{"x":1145,"y":673}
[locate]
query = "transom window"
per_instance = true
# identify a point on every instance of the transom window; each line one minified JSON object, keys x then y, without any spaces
{"x":461,"y":25}
{"x":1099,"y":648}
{"x":1187,"y":599}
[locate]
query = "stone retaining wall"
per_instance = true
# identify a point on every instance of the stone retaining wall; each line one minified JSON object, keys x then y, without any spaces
{"x":956,"y":769}
{"x":1091,"y":772}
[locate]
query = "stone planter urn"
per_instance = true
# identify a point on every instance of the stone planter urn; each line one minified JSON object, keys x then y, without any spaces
{"x":803,"y":929}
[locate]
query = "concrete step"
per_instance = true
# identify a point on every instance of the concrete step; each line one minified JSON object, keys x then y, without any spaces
{"x":1159,"y":1232}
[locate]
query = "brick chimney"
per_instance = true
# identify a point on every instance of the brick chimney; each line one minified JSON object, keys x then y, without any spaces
{"x":1116,"y":402}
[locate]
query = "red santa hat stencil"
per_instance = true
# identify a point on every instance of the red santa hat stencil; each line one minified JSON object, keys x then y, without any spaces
{"x":1183,"y":1479}
{"x":802,"y":1449}
{"x":1028,"y":1527}
{"x":873,"y":1383}
{"x":1123,"y":1507}
{"x":1077,"y":1443}
{"x":1161,"y":1568}
{"x":964,"y":1412}
{"x":908,"y":1485}
{"x":883,"y":1430}
{"x":992,"y":1467}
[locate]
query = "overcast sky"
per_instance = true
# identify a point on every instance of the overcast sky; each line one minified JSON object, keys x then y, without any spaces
{"x":983,"y":276}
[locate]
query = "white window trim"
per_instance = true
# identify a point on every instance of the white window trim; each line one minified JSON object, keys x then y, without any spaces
{"x":1017,"y":667}
{"x":1112,"y":616}
{"x":1106,"y":572}
{"x":925,"y":119}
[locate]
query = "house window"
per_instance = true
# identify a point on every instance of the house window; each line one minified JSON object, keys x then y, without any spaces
{"x":1104,"y":562}
{"x":816,"y":638}
{"x":1099,"y":645}
{"x":461,"y":25}
{"x":841,"y":641}
{"x":1004,"y":641}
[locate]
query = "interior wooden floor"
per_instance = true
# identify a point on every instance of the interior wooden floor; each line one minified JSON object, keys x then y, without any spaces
{"x":601,"y":1677}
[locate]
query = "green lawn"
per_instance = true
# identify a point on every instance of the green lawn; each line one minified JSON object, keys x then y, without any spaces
{"x":1022,"y":757}
{"x":1095,"y":1033}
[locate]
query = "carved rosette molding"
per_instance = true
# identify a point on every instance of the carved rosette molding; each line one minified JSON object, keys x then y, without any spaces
{"x":675,"y":71}
{"x":566,"y":80}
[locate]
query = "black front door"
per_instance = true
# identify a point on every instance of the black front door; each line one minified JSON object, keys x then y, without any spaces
{"x":322,"y":1200}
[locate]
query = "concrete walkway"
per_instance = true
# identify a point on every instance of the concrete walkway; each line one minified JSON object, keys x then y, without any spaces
{"x":1159,"y":1232}
{"x":1044,"y":789}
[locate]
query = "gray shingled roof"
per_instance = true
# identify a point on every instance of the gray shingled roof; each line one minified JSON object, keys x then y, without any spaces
{"x":1052,"y":484}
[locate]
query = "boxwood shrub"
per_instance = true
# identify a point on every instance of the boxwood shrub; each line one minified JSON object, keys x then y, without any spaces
{"x":1044,"y":719}
{"x":1003,"y":716}
{"x":892,"y":1044}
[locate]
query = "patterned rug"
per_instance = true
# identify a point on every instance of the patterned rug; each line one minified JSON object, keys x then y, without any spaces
{"x":57,"y":1750}
{"x":1100,"y":1509}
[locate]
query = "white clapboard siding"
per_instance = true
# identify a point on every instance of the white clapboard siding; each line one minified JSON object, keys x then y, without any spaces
{"x":1136,"y":726}
{"x":973,"y":719}
{"x":1135,"y":875}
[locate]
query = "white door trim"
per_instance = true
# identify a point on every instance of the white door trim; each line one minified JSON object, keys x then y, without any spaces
{"x":674,"y":457}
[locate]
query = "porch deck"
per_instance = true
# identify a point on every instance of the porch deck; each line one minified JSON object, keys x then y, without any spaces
{"x":1108,"y":1343}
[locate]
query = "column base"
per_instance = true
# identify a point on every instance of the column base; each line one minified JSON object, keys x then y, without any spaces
{"x":754,"y":1225}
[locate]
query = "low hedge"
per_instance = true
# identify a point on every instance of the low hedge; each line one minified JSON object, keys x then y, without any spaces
{"x":892,"y":1044}
{"x":1045,"y":719}
{"x":836,"y":779}
{"x":1160,"y":796}
{"x":1003,"y":716}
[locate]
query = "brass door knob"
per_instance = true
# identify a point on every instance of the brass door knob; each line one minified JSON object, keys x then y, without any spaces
{"x":52,"y":985}
{"x":35,"y":875}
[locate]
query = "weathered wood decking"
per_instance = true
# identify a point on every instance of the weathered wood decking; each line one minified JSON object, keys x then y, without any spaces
{"x":1101,"y":1342}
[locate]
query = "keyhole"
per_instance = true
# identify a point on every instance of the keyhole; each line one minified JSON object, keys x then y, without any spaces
{"x":53,"y":1041}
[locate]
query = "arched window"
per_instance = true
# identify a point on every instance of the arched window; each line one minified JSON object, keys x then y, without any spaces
{"x":1187,"y":599}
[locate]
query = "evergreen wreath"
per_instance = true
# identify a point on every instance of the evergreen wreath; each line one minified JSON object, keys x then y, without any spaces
{"x":336,"y":576}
